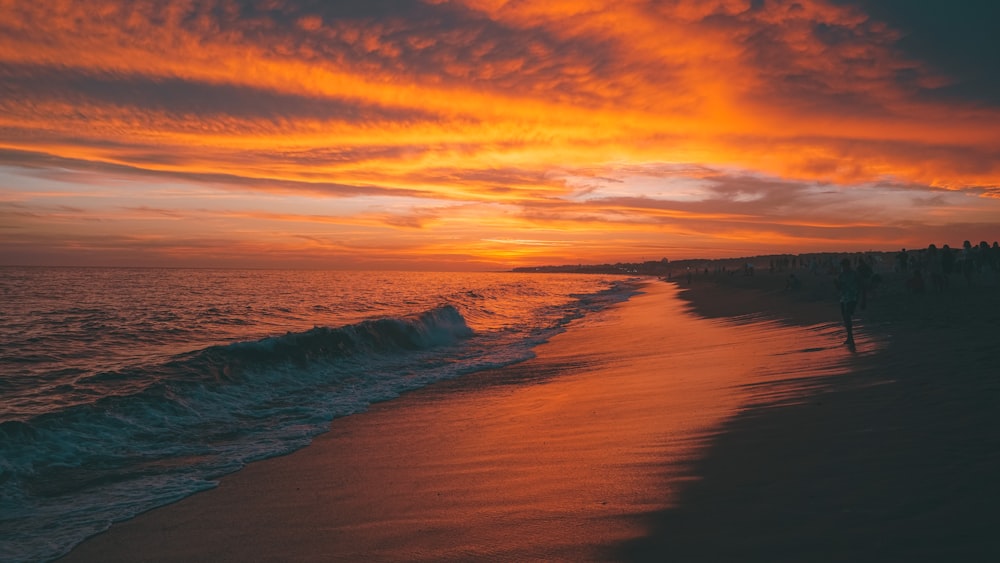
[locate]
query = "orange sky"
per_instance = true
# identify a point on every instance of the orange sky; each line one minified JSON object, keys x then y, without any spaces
{"x":485,"y":134}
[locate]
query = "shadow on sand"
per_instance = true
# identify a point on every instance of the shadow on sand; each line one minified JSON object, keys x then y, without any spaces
{"x":896,"y":461}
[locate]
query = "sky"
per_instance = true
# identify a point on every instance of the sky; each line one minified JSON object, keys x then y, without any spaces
{"x":490,"y":134}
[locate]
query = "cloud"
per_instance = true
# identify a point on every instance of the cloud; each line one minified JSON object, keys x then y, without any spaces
{"x":178,"y":99}
{"x":525,"y":82}
{"x":959,"y":41}
{"x":85,"y":171}
{"x":635,"y":118}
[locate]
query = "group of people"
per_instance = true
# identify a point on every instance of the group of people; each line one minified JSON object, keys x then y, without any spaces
{"x":974,"y":262}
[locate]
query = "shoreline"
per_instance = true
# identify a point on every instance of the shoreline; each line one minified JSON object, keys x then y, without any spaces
{"x":771,"y":453}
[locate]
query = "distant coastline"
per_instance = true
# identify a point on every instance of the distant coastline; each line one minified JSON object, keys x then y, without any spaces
{"x":665,"y":267}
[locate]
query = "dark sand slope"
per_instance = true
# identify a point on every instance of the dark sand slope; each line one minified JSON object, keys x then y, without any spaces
{"x":897,"y":461}
{"x":646,"y":433}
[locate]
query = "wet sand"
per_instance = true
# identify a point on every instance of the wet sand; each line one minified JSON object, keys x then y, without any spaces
{"x":724,"y":422}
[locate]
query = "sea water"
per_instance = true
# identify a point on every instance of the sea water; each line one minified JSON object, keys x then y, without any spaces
{"x":126,"y":389}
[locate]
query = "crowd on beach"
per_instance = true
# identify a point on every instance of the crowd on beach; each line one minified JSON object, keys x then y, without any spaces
{"x":978,"y":264}
{"x":921,"y":269}
{"x":932,"y":267}
{"x":857,"y":277}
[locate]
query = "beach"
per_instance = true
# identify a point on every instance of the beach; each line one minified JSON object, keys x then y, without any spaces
{"x":719,"y":421}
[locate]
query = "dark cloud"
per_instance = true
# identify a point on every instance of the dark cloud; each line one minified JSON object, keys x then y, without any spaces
{"x":178,"y":97}
{"x":833,"y":35}
{"x":715,"y":216}
{"x":385,"y":40}
{"x":818,"y":67}
{"x":44,"y":165}
{"x":353,"y":154}
{"x":957,"y":38}
{"x":289,"y":12}
{"x":752,"y":202}
{"x":968,"y":167}
{"x":855,"y":63}
{"x":444,"y":43}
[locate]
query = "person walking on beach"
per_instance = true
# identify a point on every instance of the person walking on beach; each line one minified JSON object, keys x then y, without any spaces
{"x":849,"y":285}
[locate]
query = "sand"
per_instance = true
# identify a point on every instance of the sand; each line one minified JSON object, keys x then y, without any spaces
{"x":719,"y":422}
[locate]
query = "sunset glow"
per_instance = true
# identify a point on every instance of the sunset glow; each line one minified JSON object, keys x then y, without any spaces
{"x":486,"y":134}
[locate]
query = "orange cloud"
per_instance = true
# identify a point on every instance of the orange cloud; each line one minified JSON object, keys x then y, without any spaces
{"x":488,"y":106}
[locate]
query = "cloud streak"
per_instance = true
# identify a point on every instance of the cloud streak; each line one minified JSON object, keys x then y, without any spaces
{"x":787,"y":123}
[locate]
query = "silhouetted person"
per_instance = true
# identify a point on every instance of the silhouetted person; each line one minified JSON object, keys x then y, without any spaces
{"x":984,"y":262}
{"x":793,"y":283}
{"x":916,"y":282}
{"x":995,"y":256}
{"x":936,"y":268}
{"x":849,"y":284}
{"x":947,"y":263}
{"x":902,"y":260}
{"x":865,"y":279}
{"x":947,"y":260}
{"x":968,"y":262}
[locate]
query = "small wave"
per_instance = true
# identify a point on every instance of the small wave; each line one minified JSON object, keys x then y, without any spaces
{"x":444,"y":325}
{"x":128,"y":439}
{"x":220,"y":407}
{"x":441,"y":326}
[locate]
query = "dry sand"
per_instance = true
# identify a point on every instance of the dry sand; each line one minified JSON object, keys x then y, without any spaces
{"x":742,"y":433}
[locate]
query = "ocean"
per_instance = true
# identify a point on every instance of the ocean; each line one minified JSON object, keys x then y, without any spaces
{"x":126,"y":389}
